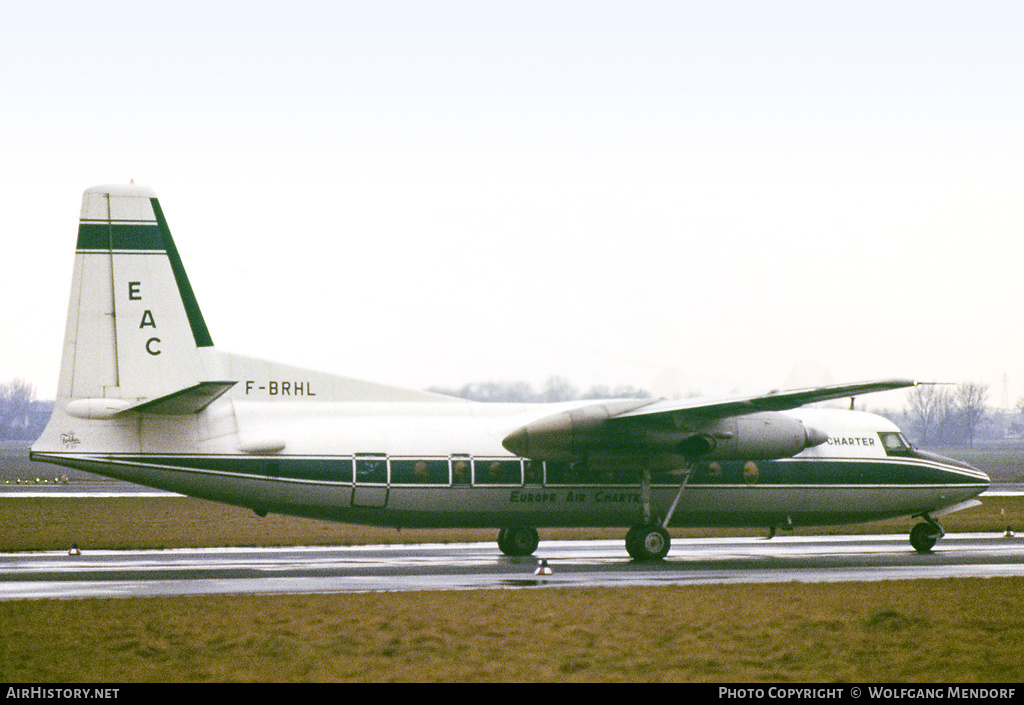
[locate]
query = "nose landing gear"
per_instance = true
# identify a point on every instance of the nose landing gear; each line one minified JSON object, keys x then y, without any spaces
{"x":924,"y":535}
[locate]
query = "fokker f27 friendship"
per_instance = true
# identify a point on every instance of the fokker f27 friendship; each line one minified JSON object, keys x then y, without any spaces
{"x":144,"y":396}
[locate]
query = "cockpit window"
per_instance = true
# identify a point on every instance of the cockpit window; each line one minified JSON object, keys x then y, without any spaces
{"x":895,"y":443}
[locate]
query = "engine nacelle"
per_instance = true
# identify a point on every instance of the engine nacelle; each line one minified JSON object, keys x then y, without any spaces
{"x":762,"y":436}
{"x":572,"y":434}
{"x":568,"y":435}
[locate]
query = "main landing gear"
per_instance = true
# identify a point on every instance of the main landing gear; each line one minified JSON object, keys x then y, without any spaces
{"x":647,"y":542}
{"x":924,"y":535}
{"x":650,"y":541}
{"x":518,"y":541}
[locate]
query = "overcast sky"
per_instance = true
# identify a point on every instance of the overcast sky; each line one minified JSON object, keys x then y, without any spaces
{"x":680,"y":196}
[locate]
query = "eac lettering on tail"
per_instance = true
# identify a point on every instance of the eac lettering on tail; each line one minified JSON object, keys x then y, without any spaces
{"x":135,"y":294}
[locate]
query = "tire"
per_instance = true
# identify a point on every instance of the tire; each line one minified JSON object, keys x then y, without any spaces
{"x":518,"y":541}
{"x":647,"y":543}
{"x":923,"y":537}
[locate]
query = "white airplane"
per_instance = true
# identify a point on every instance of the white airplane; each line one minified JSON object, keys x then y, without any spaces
{"x":144,"y":396}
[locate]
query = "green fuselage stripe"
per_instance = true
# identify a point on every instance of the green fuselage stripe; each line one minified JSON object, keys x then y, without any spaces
{"x":806,"y":473}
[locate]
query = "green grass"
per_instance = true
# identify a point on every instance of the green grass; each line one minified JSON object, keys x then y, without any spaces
{"x":953,"y":630}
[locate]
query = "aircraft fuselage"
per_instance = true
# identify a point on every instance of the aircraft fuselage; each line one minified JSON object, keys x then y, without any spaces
{"x":443,"y":465}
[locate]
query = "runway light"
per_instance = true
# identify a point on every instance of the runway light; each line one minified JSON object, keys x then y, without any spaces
{"x":542,"y":567}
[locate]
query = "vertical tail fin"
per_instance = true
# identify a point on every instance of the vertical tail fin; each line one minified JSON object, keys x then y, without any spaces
{"x":134,"y":329}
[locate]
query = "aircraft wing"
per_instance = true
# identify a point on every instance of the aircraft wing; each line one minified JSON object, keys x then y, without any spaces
{"x":773,"y":401}
{"x":737,"y":427}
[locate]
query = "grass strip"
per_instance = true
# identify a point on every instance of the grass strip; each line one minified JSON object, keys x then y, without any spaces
{"x":950,"y":630}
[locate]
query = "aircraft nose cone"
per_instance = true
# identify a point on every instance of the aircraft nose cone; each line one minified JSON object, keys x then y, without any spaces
{"x":815,"y":437}
{"x":934,"y":457}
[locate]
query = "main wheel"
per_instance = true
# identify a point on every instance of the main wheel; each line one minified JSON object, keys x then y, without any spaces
{"x":647,"y":543}
{"x":518,"y":541}
{"x":923,"y":537}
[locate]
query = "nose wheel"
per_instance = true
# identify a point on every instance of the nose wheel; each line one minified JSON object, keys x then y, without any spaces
{"x":924,"y":535}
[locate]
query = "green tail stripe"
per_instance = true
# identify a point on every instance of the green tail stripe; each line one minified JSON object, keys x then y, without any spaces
{"x":119,"y":236}
{"x":195,"y":317}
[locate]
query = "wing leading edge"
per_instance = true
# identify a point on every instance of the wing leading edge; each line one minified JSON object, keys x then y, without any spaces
{"x":773,"y":401}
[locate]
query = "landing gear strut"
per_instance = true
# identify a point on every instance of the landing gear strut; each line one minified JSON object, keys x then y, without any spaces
{"x":924,"y":535}
{"x":518,"y":541}
{"x":650,"y":541}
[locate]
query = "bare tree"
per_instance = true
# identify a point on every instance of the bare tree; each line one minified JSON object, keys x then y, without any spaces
{"x":15,"y":401}
{"x":555,"y":389}
{"x":924,"y":401}
{"x":1017,"y":422}
{"x":558,"y":389}
{"x":21,"y":417}
{"x":491,"y":392}
{"x":603,"y":391}
{"x":970,"y":403}
{"x":946,"y":416}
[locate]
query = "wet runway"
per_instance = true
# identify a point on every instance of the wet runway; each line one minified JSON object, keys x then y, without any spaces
{"x":210,"y":571}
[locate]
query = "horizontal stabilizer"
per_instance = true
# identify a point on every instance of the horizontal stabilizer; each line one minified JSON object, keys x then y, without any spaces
{"x":191,"y":400}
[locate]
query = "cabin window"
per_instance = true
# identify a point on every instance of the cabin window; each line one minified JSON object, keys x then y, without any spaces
{"x":609,"y":476}
{"x":330,"y":469}
{"x":894,"y":443}
{"x":462,"y":470}
{"x":580,"y":473}
{"x":419,"y":471}
{"x":498,"y":472}
{"x":562,"y":474}
{"x":571,"y":474}
{"x":372,"y":470}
